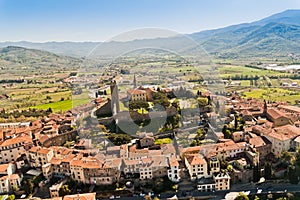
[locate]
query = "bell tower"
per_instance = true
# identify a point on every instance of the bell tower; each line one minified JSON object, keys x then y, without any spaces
{"x":134,"y":82}
{"x":115,"y":104}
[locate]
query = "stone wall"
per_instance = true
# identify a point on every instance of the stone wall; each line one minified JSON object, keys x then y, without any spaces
{"x":60,"y":139}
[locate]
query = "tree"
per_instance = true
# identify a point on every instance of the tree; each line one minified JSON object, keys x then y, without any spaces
{"x":251,"y":82}
{"x":292,"y":175}
{"x":49,"y":110}
{"x":176,"y":104}
{"x":202,"y":102}
{"x":199,"y":93}
{"x":161,"y":99}
{"x":28,"y":186}
{"x":298,"y":157}
{"x":230,"y":168}
{"x":256,"y":173}
{"x":268,"y":171}
{"x":235,"y":122}
{"x":256,"y":197}
{"x":241,"y":196}
{"x":228,"y":134}
{"x":11,"y":197}
{"x":287,"y":158}
{"x":135,"y":105}
{"x":217,"y":106}
{"x":15,"y":188}
{"x":118,"y":139}
{"x":64,"y":190}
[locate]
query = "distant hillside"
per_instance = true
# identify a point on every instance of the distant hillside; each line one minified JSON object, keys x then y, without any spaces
{"x":73,"y":49}
{"x":274,"y":36}
{"x":20,"y":61}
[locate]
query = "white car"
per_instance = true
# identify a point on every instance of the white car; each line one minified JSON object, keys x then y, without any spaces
{"x":259,"y":191}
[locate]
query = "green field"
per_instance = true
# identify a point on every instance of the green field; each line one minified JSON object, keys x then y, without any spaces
{"x":232,"y":70}
{"x":63,"y":105}
{"x":273,"y":94}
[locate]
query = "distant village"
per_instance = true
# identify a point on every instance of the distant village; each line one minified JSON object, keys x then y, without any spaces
{"x":247,"y":138}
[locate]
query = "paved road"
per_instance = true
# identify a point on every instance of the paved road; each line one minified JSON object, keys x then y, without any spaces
{"x":266,"y":188}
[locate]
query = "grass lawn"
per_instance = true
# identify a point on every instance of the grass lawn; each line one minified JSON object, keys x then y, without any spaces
{"x":163,"y":141}
{"x":123,"y":107}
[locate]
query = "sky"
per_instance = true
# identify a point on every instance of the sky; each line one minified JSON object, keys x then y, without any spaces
{"x":99,"y":20}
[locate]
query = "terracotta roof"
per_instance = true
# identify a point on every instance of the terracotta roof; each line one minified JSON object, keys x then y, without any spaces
{"x":4,"y":178}
{"x":40,"y":150}
{"x":290,"y":108}
{"x":259,"y":141}
{"x":86,"y":196}
{"x":136,"y":91}
{"x":43,"y":138}
{"x":285,"y":132}
{"x":246,"y":113}
{"x":113,"y":163}
{"x":128,"y":162}
{"x":55,"y":161}
{"x":3,"y":167}
{"x":16,"y":140}
{"x":275,"y":114}
{"x":168,"y":149}
{"x":68,"y":158}
{"x":44,"y":151}
{"x":195,"y":159}
{"x":159,"y":161}
{"x":14,"y":177}
{"x":173,"y":162}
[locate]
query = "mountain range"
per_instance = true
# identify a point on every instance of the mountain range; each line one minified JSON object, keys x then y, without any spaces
{"x":274,"y":36}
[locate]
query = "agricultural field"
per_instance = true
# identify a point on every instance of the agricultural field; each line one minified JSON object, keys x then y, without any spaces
{"x":227,"y":71}
{"x":274,"y":94}
{"x":62,"y":106}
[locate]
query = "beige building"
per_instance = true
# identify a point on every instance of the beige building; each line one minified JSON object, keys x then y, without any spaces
{"x":222,"y":181}
{"x":39,"y":156}
{"x":146,"y":140}
{"x":11,"y":149}
{"x":238,"y":136}
{"x":262,"y":145}
{"x":174,"y":171}
{"x":137,"y":95}
{"x":8,"y":178}
{"x":281,"y":137}
{"x":277,"y":117}
{"x":214,"y":165}
{"x":196,"y":165}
